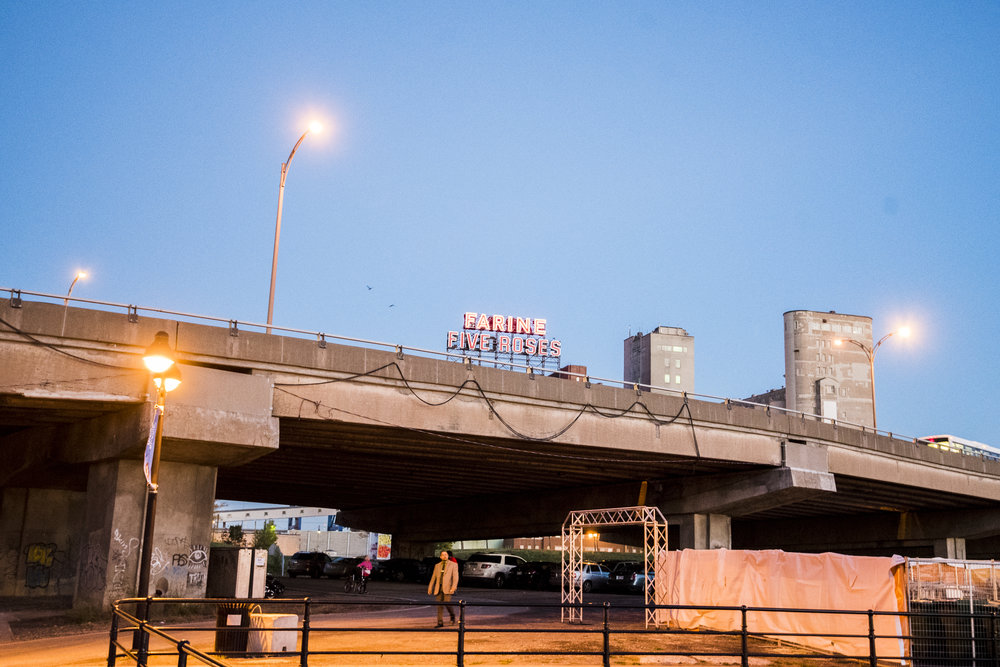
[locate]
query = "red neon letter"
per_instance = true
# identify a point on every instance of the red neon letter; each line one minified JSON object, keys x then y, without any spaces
{"x":497,"y":323}
{"x":539,"y":327}
{"x":530,"y":346}
{"x":469,"y":321}
{"x":452,"y":340}
{"x":503,"y":343}
{"x":483,"y":323}
{"x":523,"y":325}
{"x":554,"y":348}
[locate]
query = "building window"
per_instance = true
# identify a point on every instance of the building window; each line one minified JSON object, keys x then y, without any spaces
{"x":677,"y":379}
{"x":666,"y":378}
{"x":677,"y":363}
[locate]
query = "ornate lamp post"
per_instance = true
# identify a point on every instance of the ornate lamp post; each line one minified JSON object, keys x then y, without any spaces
{"x":870,"y":355}
{"x":159,"y":359}
{"x":313,"y":127}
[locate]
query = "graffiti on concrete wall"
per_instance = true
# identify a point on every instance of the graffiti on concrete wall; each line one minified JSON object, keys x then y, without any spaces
{"x":121,"y":550}
{"x":195,"y":557}
{"x":93,"y":565}
{"x":38,"y":560}
{"x":181,"y":569}
{"x":8,"y":565}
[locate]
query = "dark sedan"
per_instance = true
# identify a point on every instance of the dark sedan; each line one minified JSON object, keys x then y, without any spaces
{"x":312,"y":563}
{"x":400,"y":569}
{"x":342,"y":567}
{"x":533,"y":574}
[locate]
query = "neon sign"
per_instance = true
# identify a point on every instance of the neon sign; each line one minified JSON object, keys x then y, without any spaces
{"x":504,"y":335}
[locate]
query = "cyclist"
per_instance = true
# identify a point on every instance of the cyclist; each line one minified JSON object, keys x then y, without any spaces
{"x":365,"y":568}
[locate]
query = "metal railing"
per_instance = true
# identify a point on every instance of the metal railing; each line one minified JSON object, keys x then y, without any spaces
{"x":921,"y":639}
{"x":322,"y":338}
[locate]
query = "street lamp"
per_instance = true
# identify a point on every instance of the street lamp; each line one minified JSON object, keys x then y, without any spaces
{"x":313,"y":127}
{"x":79,"y":274}
{"x":870,"y":354}
{"x":159,"y":359}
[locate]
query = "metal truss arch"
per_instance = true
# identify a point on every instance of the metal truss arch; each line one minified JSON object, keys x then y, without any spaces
{"x":654,"y":542}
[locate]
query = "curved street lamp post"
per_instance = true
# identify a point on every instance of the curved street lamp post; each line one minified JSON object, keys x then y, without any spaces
{"x":313,"y":127}
{"x":79,"y":274}
{"x":870,"y":355}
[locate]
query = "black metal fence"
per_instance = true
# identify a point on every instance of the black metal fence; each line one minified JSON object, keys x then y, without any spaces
{"x":924,"y":639}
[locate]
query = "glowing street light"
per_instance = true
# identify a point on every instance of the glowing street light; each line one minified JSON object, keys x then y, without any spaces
{"x":159,"y":359}
{"x":904,"y":332}
{"x":78,"y":276}
{"x":314,"y":127}
{"x":594,"y":536}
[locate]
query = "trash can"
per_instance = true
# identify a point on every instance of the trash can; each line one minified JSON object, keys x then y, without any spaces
{"x":232,"y":627}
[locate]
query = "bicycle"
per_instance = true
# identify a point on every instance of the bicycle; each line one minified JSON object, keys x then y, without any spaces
{"x":357,"y":582}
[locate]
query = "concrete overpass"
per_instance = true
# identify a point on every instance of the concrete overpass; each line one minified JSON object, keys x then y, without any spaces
{"x":423,"y":448}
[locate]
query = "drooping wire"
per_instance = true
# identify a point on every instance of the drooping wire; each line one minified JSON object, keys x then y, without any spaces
{"x":76,"y":357}
{"x":491,"y":404}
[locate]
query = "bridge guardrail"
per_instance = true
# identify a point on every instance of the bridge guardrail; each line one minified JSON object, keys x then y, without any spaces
{"x":322,"y":338}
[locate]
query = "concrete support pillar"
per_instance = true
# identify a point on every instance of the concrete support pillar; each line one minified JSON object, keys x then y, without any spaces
{"x":704,"y":531}
{"x":39,"y":541}
{"x":112,"y":532}
{"x":950,"y":547}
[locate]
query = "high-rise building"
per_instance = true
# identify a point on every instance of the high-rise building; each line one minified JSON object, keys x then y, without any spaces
{"x":662,"y":358}
{"x":822,"y":377}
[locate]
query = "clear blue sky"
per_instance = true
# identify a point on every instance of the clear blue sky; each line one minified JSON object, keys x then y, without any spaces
{"x":609,"y":166}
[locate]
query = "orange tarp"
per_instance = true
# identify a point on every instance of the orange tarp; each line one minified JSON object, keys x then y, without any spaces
{"x":722,"y":577}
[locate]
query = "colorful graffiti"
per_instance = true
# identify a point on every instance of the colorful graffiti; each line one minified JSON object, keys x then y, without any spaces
{"x":38,"y":559}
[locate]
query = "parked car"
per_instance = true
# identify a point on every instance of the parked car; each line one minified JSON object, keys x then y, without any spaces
{"x":590,"y":576}
{"x":491,"y":568}
{"x":533,"y":574}
{"x":628,"y":577}
{"x":312,"y":563}
{"x":400,"y":569}
{"x":342,"y":567}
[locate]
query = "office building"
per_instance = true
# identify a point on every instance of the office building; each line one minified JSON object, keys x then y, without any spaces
{"x":663,"y":358}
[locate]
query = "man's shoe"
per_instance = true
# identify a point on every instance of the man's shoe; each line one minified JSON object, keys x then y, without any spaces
{"x":453,"y":620}
{"x":439,"y":625}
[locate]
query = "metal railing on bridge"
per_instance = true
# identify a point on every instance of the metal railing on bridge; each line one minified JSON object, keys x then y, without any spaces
{"x":920,"y":639}
{"x":322,"y":338}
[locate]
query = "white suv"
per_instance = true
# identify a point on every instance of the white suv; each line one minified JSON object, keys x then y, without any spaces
{"x":494,"y":568}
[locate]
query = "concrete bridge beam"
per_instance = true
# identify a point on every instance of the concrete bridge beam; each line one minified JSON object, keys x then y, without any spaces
{"x":747,"y":493}
{"x":936,"y":533}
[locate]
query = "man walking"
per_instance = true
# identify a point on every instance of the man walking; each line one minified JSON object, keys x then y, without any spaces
{"x":444,"y":581}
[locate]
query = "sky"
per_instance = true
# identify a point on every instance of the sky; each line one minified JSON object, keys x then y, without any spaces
{"x":608,"y":166}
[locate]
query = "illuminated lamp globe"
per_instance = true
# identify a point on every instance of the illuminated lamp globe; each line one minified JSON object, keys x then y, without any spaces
{"x":904,"y":332}
{"x":169,"y":379}
{"x":159,"y":357}
{"x":315,"y":127}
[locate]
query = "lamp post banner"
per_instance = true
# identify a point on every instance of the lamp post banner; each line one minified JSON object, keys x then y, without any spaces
{"x":147,"y":459}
